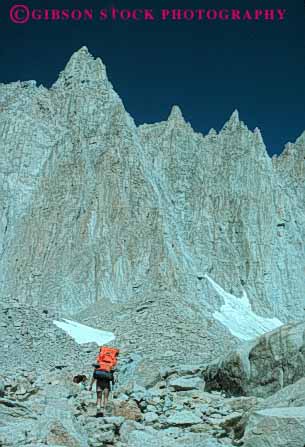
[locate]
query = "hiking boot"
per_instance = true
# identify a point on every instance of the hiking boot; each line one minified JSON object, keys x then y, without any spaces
{"x":100,"y":412}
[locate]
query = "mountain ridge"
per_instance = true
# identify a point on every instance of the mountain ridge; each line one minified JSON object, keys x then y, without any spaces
{"x":96,"y":209}
{"x":82,"y":63}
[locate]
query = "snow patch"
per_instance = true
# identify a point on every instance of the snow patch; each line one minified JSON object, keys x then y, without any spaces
{"x":237,"y":315}
{"x":84,"y":334}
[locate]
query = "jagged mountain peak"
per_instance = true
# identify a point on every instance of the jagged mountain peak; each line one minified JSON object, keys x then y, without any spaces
{"x":294,"y":149}
{"x":212,"y":132}
{"x":176,"y":115}
{"x":257,"y":133}
{"x":83,"y":50}
{"x":234,"y":119}
{"x":234,"y":123}
{"x":83,"y":69}
{"x":238,"y":129}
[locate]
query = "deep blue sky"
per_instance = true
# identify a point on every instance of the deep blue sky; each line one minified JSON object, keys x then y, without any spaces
{"x":207,"y":68}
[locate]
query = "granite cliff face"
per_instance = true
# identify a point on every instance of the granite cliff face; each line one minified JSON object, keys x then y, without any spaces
{"x":96,"y":211}
{"x":182,"y":245}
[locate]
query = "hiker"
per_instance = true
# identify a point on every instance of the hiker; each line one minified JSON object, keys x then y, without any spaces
{"x":103,"y":387}
{"x":103,"y":374}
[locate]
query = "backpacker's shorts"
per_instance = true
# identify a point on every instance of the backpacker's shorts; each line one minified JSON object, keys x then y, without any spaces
{"x":102,"y":385}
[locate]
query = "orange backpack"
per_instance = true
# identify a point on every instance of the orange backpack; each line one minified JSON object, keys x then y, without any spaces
{"x":107,"y":358}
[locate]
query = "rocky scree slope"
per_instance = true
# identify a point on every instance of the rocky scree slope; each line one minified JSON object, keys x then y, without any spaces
{"x":48,"y":409}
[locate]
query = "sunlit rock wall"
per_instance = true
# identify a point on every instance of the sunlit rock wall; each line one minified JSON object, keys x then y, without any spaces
{"x":95,"y":209}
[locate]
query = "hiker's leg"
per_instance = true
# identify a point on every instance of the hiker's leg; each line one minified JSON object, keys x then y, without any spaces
{"x":106,"y":395}
{"x":98,"y":399}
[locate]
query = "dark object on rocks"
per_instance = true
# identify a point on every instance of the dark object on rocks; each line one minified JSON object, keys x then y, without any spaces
{"x":79,"y":378}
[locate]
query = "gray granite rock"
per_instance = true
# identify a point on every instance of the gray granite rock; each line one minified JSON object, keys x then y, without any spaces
{"x":280,"y":427}
{"x":290,"y":396}
{"x":47,"y":419}
{"x":183,"y":418}
{"x":151,"y":417}
{"x":261,"y":368}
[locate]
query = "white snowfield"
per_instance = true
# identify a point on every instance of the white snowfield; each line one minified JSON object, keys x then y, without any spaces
{"x":84,"y":334}
{"x":237,"y":315}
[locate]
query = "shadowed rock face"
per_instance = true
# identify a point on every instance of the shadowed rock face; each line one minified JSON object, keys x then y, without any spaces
{"x":96,"y":210}
{"x":264,"y":366}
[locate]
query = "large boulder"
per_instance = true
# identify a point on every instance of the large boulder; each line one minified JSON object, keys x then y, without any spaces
{"x":127,"y":409}
{"x":262,"y":367}
{"x":290,"y":396}
{"x":183,"y":418}
{"x":52,"y":424}
{"x":276,"y":427}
